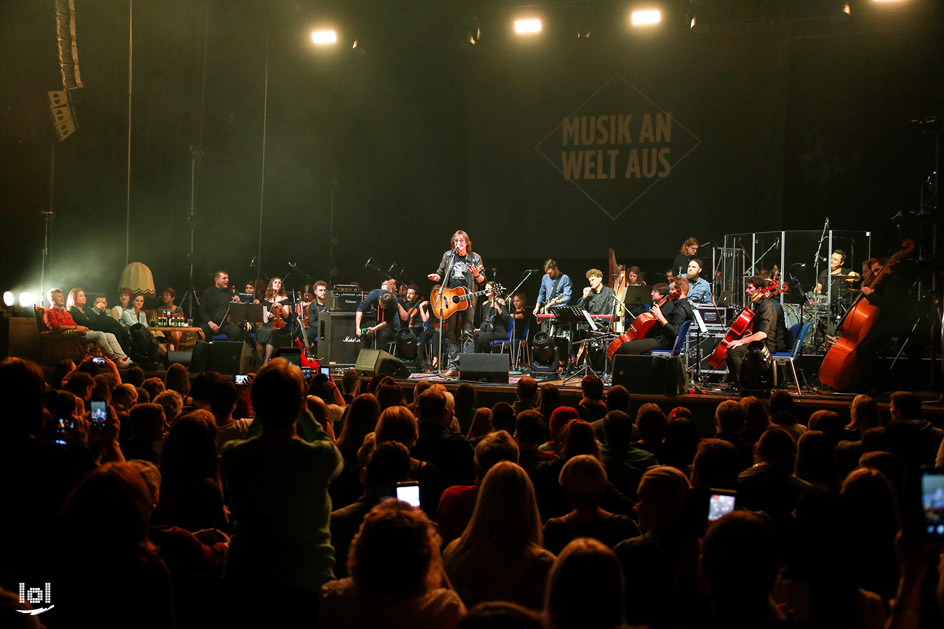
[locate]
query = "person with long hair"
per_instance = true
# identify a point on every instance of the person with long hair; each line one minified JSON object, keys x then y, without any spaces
{"x":500,"y":555}
{"x":95,"y":319}
{"x":359,"y":421}
{"x":396,"y":577}
{"x":585,"y":588}
{"x":275,"y":323}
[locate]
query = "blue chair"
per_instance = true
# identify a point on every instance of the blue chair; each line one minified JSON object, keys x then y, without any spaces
{"x":520,"y":339}
{"x":679,"y":343}
{"x":798,"y":331}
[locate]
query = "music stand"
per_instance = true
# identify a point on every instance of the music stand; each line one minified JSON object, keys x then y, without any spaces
{"x":246,"y":312}
{"x":637,"y":295}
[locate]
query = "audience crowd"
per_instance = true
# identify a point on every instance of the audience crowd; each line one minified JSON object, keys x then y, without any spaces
{"x":194,"y":502}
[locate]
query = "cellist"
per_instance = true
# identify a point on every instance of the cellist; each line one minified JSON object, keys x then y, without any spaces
{"x":763,"y":328}
{"x":671,"y":315}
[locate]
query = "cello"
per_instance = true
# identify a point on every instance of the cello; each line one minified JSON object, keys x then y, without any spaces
{"x":740,"y":326}
{"x":640,"y":326}
{"x":843,"y":364}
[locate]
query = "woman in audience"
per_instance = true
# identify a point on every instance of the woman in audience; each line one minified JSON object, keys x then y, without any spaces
{"x":481,"y":425}
{"x":191,"y":496}
{"x":816,"y":463}
{"x":124,"y":302}
{"x":106,"y":555}
{"x":135,"y":314}
{"x":681,"y":442}
{"x":550,"y":399}
{"x":167,"y":300}
{"x":864,"y":415}
{"x":875,"y":517}
{"x":757,"y":419}
{"x":397,"y":577}
{"x":783,"y":413}
{"x":177,"y":379}
{"x":398,"y":424}
{"x":583,"y":481}
{"x":359,"y":421}
{"x":390,"y":393}
{"x":555,"y":424}
{"x":172,"y":404}
{"x":585,"y":588}
{"x":500,"y":556}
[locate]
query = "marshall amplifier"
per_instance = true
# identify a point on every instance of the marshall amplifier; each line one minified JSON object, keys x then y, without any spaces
{"x":346,"y":301}
{"x":337,"y":343}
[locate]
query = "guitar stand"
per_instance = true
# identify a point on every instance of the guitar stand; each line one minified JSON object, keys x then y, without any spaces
{"x":586,"y":369}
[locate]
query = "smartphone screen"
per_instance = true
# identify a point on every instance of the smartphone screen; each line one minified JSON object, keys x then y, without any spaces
{"x":720,"y":503}
{"x":98,"y":413}
{"x":932,"y":500}
{"x":326,"y":371}
{"x":409,"y":492}
{"x":98,"y":360}
{"x":306,"y":371}
{"x":61,"y":427}
{"x":242,"y":378}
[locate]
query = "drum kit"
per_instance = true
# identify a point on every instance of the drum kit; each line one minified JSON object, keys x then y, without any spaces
{"x":825,"y":316}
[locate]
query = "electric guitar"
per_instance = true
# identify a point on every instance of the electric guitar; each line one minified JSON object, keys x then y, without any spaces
{"x":452,"y":300}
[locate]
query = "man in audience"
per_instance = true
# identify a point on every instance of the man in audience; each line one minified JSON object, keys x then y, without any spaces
{"x":222,"y":404}
{"x":623,"y":461}
{"x":449,"y":451}
{"x":651,"y":426}
{"x":716,"y":465}
{"x":527,"y":391}
{"x":730,"y":420}
{"x":57,"y":318}
{"x":458,"y":502}
{"x":591,"y":407}
{"x":277,"y":487}
{"x":529,"y":435}
{"x":905,"y":410}
{"x":770,"y":485}
{"x":387,"y":464}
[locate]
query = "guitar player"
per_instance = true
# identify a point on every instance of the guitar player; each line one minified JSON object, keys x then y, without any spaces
{"x":465,"y":269}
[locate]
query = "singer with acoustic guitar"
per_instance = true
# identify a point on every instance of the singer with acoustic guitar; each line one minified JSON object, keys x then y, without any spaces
{"x":466,"y":271}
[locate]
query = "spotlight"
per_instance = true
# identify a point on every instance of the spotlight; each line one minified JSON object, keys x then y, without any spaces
{"x":646,"y":17}
{"x":530,"y":25}
{"x":26,"y":298}
{"x":323,"y":38}
{"x":9,"y":298}
{"x":545,"y":353}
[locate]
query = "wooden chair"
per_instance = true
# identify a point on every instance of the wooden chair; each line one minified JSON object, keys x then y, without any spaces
{"x":60,"y":345}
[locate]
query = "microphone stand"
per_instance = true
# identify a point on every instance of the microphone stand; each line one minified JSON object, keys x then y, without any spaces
{"x":442,"y":322}
{"x":511,"y":294}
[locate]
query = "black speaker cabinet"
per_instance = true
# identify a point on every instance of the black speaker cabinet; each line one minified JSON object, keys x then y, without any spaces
{"x":337,"y":343}
{"x":649,"y":374}
{"x":380,"y":363}
{"x":484,"y":367}
{"x":184,"y":358}
{"x":229,"y":357}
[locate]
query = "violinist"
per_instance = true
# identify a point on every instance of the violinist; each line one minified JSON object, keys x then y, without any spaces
{"x":670,"y":315}
{"x":274,"y":329}
{"x":214,"y":305}
{"x":763,"y":328}
{"x":387,"y":324}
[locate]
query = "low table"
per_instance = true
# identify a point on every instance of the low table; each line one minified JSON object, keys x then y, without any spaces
{"x":175,"y":336}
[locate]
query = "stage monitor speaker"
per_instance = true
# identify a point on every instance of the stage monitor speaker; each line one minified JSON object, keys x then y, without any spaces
{"x":380,"y":363}
{"x":229,"y":357}
{"x":337,"y":342}
{"x":184,"y":358}
{"x":649,"y":374}
{"x":484,"y":367}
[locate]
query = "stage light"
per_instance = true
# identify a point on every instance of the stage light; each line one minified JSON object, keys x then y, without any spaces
{"x":9,"y":298}
{"x":322,"y":38}
{"x":26,"y":298}
{"x":646,"y":17}
{"x":531,"y":25}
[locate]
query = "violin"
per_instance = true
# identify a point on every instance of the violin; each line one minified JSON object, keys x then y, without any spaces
{"x":842,"y":364}
{"x":277,"y":316}
{"x":741,"y":325}
{"x":640,"y":326}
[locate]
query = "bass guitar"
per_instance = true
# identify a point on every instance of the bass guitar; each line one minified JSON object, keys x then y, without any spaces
{"x":742,"y":324}
{"x":640,"y":326}
{"x":449,"y":301}
{"x":842,"y":365}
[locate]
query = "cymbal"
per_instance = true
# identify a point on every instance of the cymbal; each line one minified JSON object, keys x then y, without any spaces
{"x":847,"y":278}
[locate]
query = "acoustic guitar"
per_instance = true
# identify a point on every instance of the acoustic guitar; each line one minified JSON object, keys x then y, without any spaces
{"x":449,"y":301}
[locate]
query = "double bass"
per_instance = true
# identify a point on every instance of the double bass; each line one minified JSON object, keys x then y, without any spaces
{"x":843,"y":364}
{"x":640,"y":326}
{"x":741,"y":325}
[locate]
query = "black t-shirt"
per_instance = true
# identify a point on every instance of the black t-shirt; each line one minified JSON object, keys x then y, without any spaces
{"x":460,"y":265}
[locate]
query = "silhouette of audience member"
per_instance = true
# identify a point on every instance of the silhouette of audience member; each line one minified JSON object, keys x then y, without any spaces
{"x":481,"y":425}
{"x":503,"y":417}
{"x":583,"y":481}
{"x":397,"y":578}
{"x":660,"y":565}
{"x":172,"y":404}
{"x":465,"y":406}
{"x":909,"y":431}
{"x":816,"y":461}
{"x":874,"y":514}
{"x":730,"y":421}
{"x":387,"y":465}
{"x":681,"y":442}
{"x":145,"y":441}
{"x":716,"y":465}
{"x":530,"y":434}
{"x":398,"y":424}
{"x":277,"y":487}
{"x":500,"y":555}
{"x":651,"y":426}
{"x":624,"y":462}
{"x":555,"y":424}
{"x":550,"y":399}
{"x":770,"y":485}
{"x":458,"y":502}
{"x":527,"y":393}
{"x":501,"y":615}
{"x":591,"y":406}
{"x":757,"y":420}
{"x":360,"y":419}
{"x":783,"y":413}
{"x":105,"y":551}
{"x":585,"y":588}
{"x":449,"y":451}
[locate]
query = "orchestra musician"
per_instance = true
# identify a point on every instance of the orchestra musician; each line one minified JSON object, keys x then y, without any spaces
{"x":271,"y":333}
{"x":466,"y":270}
{"x":387,"y":327}
{"x":214,"y":305}
{"x":635,"y":277}
{"x":556,"y":287}
{"x":700,"y":290}
{"x":685,"y":255}
{"x":315,"y":306}
{"x":490,"y":318}
{"x":836,"y":261}
{"x":597,"y":298}
{"x":763,"y":328}
{"x":671,"y":316}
